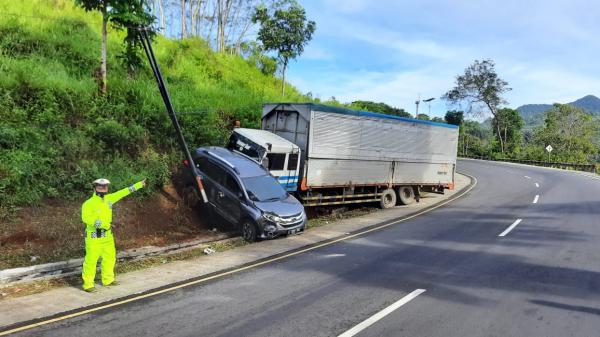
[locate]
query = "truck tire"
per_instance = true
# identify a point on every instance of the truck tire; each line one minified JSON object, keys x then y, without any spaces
{"x":249,"y":231}
{"x":406,"y":194}
{"x":388,"y":199}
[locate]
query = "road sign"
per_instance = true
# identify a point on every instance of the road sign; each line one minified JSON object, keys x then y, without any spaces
{"x":549,"y":148}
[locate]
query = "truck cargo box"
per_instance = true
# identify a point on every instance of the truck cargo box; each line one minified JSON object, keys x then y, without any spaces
{"x":344,"y":147}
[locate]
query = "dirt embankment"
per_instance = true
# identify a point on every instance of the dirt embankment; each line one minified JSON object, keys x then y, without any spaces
{"x":54,"y":231}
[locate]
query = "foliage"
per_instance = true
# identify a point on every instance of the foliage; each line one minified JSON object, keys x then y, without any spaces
{"x":57,"y":135}
{"x":454,"y":117}
{"x":506,"y":126}
{"x":480,"y":88}
{"x":380,"y":107}
{"x":571,"y":132}
{"x":128,"y":15}
{"x":424,"y":117}
{"x":254,"y":53}
{"x":131,"y":15}
{"x":474,"y":139}
{"x":286,"y":32}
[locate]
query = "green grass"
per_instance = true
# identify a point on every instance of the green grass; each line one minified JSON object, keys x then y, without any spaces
{"x":57,"y":134}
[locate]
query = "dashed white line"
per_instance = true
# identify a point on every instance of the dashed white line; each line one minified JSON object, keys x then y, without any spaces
{"x":511,"y":227}
{"x":535,"y":200}
{"x":528,"y":177}
{"x":371,"y":320}
{"x":537,"y":185}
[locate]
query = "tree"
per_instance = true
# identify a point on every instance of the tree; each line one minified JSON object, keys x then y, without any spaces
{"x":571,"y":132}
{"x":123,"y":14}
{"x":380,"y":107}
{"x":286,"y":32}
{"x":423,"y":117}
{"x":507,"y":125}
{"x":438,"y":120}
{"x":131,"y":15}
{"x":480,"y":88}
{"x":454,"y":117}
{"x":254,"y":54}
{"x":474,"y":139}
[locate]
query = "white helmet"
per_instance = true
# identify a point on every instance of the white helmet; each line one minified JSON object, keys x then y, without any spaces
{"x":101,"y":181}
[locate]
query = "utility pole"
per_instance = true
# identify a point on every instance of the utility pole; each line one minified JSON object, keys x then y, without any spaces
{"x":417,"y":104}
{"x":429,"y":104}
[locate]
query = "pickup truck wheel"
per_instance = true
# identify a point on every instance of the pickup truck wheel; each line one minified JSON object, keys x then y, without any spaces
{"x":248,"y":231}
{"x":406,"y":194}
{"x":388,"y":199}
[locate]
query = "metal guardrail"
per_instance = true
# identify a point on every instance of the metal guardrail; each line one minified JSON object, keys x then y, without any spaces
{"x":566,"y":166}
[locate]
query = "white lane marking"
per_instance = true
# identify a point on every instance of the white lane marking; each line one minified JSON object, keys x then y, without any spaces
{"x":535,"y":200}
{"x":371,"y":320}
{"x":511,"y":227}
{"x":528,"y":177}
{"x":537,"y":185}
{"x":334,"y":255}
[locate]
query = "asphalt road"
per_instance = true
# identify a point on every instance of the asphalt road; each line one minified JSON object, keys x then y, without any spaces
{"x":541,"y":278}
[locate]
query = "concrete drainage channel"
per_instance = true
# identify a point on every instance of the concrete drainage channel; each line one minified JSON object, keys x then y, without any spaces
{"x":73,"y":266}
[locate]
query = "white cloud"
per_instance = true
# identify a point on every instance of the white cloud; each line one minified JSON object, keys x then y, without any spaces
{"x":391,"y":51}
{"x":348,"y":6}
{"x":315,"y":52}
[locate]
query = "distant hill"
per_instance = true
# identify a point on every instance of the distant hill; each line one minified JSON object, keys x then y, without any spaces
{"x":589,"y":103}
{"x":533,"y":113}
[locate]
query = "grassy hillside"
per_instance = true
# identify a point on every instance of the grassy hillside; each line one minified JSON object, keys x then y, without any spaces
{"x":57,"y":134}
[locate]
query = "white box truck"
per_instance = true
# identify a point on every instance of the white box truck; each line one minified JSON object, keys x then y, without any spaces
{"x":351,"y":156}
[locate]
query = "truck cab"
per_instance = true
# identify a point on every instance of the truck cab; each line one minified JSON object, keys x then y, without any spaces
{"x":278,"y":155}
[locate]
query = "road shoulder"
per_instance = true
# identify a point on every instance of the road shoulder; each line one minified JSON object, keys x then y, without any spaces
{"x":71,"y":301}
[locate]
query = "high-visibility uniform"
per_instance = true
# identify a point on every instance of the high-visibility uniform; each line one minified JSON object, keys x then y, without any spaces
{"x":96,"y":213}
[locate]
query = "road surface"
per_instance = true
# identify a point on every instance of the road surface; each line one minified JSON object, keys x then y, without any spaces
{"x":517,"y":256}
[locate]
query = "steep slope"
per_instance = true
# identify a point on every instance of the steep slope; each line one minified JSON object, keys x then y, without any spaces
{"x":57,"y":134}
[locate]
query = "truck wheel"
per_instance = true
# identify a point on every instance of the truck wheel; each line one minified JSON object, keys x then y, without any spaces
{"x":388,"y":199}
{"x":406,"y":194}
{"x":248,"y":231}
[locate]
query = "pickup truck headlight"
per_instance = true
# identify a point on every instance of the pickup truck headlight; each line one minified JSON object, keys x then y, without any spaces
{"x":271,"y":217}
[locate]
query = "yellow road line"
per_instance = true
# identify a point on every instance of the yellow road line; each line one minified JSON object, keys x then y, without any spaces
{"x":254,"y":265}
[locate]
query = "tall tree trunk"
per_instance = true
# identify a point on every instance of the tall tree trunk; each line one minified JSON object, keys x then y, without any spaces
{"x":505,"y":138}
{"x":283,"y":78}
{"x":183,"y":32}
{"x":103,"y":80}
{"x":220,"y":27}
{"x":500,"y":137}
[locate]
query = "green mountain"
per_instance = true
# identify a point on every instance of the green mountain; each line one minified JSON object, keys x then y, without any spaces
{"x":57,"y":134}
{"x":533,"y":114}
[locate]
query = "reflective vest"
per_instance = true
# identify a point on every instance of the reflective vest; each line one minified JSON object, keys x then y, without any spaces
{"x":96,"y":212}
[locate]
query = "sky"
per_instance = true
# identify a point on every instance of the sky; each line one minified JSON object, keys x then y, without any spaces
{"x":395,"y":51}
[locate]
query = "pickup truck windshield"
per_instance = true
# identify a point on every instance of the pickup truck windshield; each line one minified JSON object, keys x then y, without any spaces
{"x":263,"y":188}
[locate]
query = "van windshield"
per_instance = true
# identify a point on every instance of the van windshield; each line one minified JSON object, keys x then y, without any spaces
{"x":263,"y":188}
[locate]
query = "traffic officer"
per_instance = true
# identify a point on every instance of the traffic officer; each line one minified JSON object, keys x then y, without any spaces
{"x":96,"y":213}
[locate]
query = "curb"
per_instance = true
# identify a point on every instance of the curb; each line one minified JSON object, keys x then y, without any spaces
{"x":29,"y":324}
{"x":51,"y":270}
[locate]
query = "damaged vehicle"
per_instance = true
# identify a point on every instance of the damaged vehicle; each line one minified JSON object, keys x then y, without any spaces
{"x":242,"y":192}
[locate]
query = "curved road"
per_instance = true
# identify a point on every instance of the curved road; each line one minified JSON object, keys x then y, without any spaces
{"x":445,"y":273}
